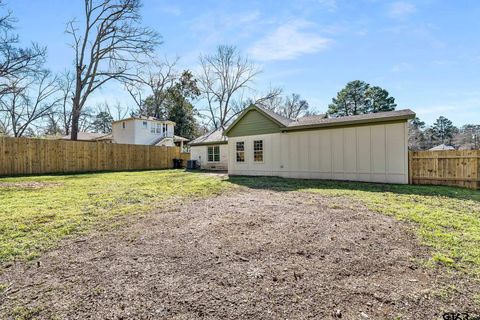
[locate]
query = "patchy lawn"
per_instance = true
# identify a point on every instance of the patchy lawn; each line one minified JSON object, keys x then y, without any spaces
{"x":36,"y":212}
{"x":245,"y":254}
{"x":446,"y":218}
{"x":243,"y":247}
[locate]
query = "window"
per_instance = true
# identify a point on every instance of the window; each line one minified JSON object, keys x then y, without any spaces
{"x":145,"y":124}
{"x":123,"y":125}
{"x":240,"y":151}
{"x":159,"y":128}
{"x":258,"y":150}
{"x":213,"y":154}
{"x":152,"y":128}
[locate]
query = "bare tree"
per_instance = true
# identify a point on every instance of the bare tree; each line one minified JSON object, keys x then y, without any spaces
{"x":15,"y":61}
{"x":31,"y":99}
{"x":294,"y":106}
{"x":66,"y":83}
{"x":224,"y":77}
{"x":110,"y":45}
{"x":156,"y":79}
{"x":115,"y":111}
{"x":271,"y":100}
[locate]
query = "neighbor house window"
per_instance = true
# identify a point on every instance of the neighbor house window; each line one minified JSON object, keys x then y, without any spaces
{"x":152,"y":128}
{"x":258,"y":150}
{"x":159,"y":128}
{"x":145,"y":124}
{"x":164,"y":129}
{"x":123,"y":125}
{"x":240,"y":151}
{"x":213,"y":154}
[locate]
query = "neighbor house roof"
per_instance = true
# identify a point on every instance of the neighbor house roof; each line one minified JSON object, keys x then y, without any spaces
{"x":90,"y":136}
{"x":142,"y":118}
{"x":441,"y":147}
{"x":178,"y":139}
{"x":321,"y":121}
{"x":212,"y":137}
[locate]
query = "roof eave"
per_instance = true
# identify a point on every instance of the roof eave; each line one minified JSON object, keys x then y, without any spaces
{"x":139,"y":119}
{"x":352,"y":122}
{"x":207,"y":143}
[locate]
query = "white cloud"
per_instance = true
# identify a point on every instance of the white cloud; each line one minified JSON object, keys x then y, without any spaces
{"x":401,"y":9}
{"x":217,"y":27}
{"x":329,"y":4}
{"x":289,"y":41}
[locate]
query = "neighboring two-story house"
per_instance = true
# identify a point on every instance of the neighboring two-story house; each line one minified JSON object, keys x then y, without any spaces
{"x":146,"y":131}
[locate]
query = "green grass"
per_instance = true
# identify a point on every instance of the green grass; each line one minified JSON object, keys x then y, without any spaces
{"x":34,"y":219}
{"x":447,"y":219}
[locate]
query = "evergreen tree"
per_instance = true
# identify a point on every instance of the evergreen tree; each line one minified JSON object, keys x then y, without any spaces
{"x":443,"y":130}
{"x":359,"y":98}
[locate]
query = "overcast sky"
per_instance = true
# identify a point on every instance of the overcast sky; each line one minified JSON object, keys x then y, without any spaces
{"x":426,"y":53}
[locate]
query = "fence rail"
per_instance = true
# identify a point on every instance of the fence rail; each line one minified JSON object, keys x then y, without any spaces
{"x":23,"y":156}
{"x":449,"y":167}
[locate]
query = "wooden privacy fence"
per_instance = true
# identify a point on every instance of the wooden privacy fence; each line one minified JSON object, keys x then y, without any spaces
{"x":449,"y":167}
{"x":23,"y":156}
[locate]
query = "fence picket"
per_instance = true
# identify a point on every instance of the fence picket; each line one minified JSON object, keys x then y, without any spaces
{"x":448,"y":167}
{"x":21,"y":156}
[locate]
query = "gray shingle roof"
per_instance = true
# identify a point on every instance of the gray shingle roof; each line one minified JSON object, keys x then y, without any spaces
{"x":441,"y":147}
{"x":361,"y":118}
{"x":309,"y":119}
{"x":211,"y":137}
{"x":283,"y":120}
{"x":321,"y":120}
{"x":90,"y":136}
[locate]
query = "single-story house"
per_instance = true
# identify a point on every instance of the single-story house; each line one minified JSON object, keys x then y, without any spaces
{"x":210,"y":150}
{"x":369,"y":147}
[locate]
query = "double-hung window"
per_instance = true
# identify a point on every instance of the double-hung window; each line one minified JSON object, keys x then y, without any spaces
{"x":152,"y":127}
{"x":240,"y":151}
{"x":213,"y":154}
{"x":258,"y":150}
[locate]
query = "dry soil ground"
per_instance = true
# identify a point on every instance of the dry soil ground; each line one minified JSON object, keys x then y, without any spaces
{"x":246,"y":254}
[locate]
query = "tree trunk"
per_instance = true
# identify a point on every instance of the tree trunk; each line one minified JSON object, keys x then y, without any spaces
{"x":75,"y":119}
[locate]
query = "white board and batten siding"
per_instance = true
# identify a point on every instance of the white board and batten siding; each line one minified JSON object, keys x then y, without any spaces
{"x":200,"y":153}
{"x":373,"y":153}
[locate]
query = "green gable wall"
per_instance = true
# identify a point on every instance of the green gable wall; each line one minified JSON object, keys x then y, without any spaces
{"x":253,"y":123}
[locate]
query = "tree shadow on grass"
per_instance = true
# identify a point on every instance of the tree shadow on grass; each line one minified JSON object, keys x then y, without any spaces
{"x":288,"y":184}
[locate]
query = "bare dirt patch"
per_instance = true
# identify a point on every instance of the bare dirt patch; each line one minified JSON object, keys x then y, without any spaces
{"x":249,"y":254}
{"x":29,"y":185}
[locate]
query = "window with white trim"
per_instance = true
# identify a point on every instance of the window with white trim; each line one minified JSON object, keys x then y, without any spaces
{"x":258,"y":150}
{"x":240,"y":150}
{"x":152,"y":127}
{"x":213,"y":154}
{"x":145,"y":124}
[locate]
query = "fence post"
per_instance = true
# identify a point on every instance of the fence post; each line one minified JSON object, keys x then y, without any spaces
{"x":410,"y":167}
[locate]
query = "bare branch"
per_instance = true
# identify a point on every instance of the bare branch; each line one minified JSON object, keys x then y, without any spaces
{"x":225,"y":75}
{"x":109,"y":44}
